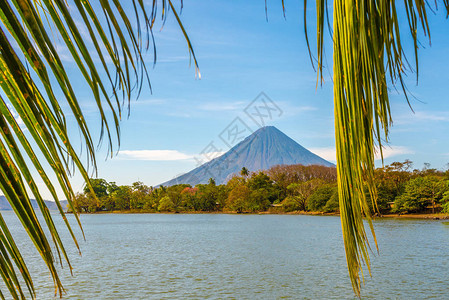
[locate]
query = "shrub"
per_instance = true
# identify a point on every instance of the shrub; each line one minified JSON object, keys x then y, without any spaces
{"x":291,"y":203}
{"x":237,"y":198}
{"x":317,"y":201}
{"x":166,"y":204}
{"x":419,"y":193}
{"x":332,"y":204}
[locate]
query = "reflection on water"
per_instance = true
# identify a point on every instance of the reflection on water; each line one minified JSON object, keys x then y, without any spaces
{"x":158,"y":256}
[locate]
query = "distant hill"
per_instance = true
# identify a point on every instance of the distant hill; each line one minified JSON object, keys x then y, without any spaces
{"x":263,"y":149}
{"x":4,"y":204}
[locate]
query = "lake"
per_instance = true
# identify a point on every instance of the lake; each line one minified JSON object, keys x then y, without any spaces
{"x":217,"y":256}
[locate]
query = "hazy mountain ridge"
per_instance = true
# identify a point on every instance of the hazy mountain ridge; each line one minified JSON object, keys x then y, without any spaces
{"x":4,"y":204}
{"x":263,"y":149}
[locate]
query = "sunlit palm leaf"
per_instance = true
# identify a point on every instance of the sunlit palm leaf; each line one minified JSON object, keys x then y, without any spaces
{"x":367,"y":50}
{"x":31,"y":76}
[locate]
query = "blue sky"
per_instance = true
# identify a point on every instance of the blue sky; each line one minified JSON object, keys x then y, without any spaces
{"x":240,"y":54}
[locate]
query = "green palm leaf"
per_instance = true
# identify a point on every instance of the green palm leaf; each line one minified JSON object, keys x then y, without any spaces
{"x":30,"y":78}
{"x":367,"y":52}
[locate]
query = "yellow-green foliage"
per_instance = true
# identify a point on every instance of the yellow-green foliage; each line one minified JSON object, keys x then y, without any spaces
{"x":367,"y":51}
{"x":166,"y":205}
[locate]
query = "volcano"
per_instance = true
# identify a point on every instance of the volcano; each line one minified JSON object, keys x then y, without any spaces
{"x":263,"y":149}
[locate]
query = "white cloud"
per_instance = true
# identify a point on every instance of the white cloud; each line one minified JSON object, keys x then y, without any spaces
{"x":63,"y":52}
{"x":392,"y":151}
{"x":330,"y":154}
{"x":16,"y":116}
{"x":155,"y":155}
{"x":179,"y":115}
{"x":290,"y":110}
{"x":428,"y":116}
{"x":433,"y":116}
{"x":152,"y":101}
{"x":171,"y":59}
{"x":212,"y":106}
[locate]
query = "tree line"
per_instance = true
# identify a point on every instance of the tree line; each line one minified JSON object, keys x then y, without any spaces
{"x":283,"y":188}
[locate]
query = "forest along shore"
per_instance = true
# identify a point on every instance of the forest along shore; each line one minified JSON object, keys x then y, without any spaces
{"x":438,"y":216}
{"x":401,"y":192}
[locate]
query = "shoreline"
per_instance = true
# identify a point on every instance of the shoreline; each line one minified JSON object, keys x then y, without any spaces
{"x":436,"y":216}
{"x":426,"y":216}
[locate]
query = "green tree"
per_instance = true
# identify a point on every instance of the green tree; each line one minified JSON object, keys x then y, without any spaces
{"x":291,"y":203}
{"x":166,"y":205}
{"x":97,"y":191}
{"x":174,"y":193}
{"x":446,"y":193}
{"x":207,"y":197}
{"x":107,"y":203}
{"x":263,"y":192}
{"x":390,"y":182}
{"x":244,"y":172}
{"x":99,"y":186}
{"x":332,"y":205}
{"x":155,"y":196}
{"x":189,"y":198}
{"x":211,"y":181}
{"x":139,"y":195}
{"x":262,"y":184}
{"x":122,"y":197}
{"x":85,"y":202}
{"x":318,"y":200}
{"x":259,"y":200}
{"x":112,"y":187}
{"x":445,"y":199}
{"x":419,"y":193}
{"x":300,"y":192}
{"x":235,"y":181}
{"x":238,"y":198}
{"x":259,"y":181}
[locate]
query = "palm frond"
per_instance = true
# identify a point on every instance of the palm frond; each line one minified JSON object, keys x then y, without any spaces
{"x":368,"y":53}
{"x":32,"y":74}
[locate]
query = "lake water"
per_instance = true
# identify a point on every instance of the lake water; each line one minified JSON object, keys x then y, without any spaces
{"x":218,"y":256}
